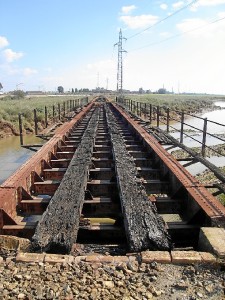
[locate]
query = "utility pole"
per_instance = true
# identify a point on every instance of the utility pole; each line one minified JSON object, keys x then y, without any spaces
{"x":120,"y":63}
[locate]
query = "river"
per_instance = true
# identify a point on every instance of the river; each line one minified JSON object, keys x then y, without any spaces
{"x":12,"y":156}
{"x":215,"y":116}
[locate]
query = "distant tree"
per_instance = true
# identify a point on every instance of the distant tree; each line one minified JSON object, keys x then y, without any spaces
{"x":1,"y":86}
{"x":141,"y":91}
{"x":60,"y":89}
{"x":18,"y":94}
{"x":162,"y":91}
{"x":72,"y":91}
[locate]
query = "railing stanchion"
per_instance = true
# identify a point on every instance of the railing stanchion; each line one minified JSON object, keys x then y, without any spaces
{"x":204,"y":137}
{"x":35,"y":122}
{"x":182,"y":128}
{"x":21,"y":129}
{"x":46,"y":117}
{"x":53,"y":113}
{"x":150,"y":113}
{"x":168,"y":120}
{"x":157,"y":116}
{"x":59,"y":112}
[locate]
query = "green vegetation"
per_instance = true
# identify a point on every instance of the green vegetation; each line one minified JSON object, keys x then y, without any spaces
{"x":188,"y":103}
{"x":11,"y":106}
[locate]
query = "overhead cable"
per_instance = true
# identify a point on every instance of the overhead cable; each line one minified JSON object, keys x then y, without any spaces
{"x":160,"y":21}
{"x":179,"y":34}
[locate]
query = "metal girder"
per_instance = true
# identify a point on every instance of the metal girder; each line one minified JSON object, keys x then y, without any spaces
{"x":211,"y":206}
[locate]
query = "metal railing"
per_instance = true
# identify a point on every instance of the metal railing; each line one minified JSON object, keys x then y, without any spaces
{"x":51,"y":114}
{"x":162,"y":115}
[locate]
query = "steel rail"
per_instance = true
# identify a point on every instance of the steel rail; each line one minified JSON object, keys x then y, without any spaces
{"x":21,"y":181}
{"x":211,"y":206}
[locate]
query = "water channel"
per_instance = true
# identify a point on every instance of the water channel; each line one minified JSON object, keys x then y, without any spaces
{"x":12,"y":156}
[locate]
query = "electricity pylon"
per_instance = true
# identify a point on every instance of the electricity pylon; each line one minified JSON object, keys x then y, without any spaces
{"x":120,"y":63}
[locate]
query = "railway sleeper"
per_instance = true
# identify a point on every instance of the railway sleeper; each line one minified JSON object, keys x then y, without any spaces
{"x":101,"y":221}
{"x":60,"y":163}
{"x":101,"y":174}
{"x":54,"y":173}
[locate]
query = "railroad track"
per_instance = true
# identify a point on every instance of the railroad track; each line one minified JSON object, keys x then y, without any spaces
{"x":104,"y":183}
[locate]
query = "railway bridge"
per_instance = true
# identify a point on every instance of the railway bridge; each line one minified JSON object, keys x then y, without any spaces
{"x":102,"y":180}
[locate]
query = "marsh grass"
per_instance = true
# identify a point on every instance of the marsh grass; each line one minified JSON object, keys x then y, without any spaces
{"x":10,"y":108}
{"x":188,"y":103}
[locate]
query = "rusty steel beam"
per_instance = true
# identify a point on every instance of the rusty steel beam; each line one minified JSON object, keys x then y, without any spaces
{"x":209,"y":204}
{"x":21,"y":181}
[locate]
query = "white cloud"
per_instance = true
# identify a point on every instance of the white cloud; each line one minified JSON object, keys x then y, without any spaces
{"x":10,"y":55}
{"x":29,"y":71}
{"x":210,"y":2}
{"x":164,"y":6}
{"x":189,"y":24}
{"x":141,"y":21}
{"x":165,"y":34}
{"x":200,"y":28}
{"x":3,"y":42}
{"x":206,"y":3}
{"x":128,"y":9}
{"x":178,"y":4}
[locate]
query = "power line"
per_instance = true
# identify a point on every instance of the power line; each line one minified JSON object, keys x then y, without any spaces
{"x":160,"y":21}
{"x":179,"y":34}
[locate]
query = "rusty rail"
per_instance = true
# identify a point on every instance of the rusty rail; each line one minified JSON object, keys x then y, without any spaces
{"x":21,"y":182}
{"x":166,"y":182}
{"x":212,"y":207}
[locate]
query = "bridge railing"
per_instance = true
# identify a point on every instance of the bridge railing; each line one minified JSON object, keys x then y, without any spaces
{"x":51,"y":114}
{"x":175,"y":121}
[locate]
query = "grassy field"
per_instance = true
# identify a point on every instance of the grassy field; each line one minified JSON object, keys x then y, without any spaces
{"x":189,"y":103}
{"x":178,"y":102}
{"x":10,"y":108}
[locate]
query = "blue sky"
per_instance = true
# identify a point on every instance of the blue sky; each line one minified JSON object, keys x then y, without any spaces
{"x":47,"y":43}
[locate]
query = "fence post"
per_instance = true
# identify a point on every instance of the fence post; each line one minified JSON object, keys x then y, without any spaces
{"x":35,"y":122}
{"x":59,"y":112}
{"x":182,"y":128}
{"x":204,"y":137}
{"x":21,"y":129}
{"x":150,"y":113}
{"x":64,"y":109}
{"x":46,"y":117}
{"x":168,"y":120}
{"x":145,"y":110}
{"x":157,"y":116}
{"x":53,"y":113}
